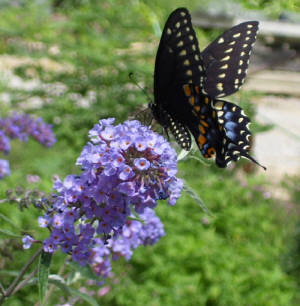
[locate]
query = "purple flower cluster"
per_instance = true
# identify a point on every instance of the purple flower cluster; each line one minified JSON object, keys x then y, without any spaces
{"x":135,"y":233}
{"x":21,"y":126}
{"x":108,"y":209}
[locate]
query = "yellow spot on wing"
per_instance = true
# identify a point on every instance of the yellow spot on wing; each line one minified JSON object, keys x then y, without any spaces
{"x":219,"y":105}
{"x":228,"y":50}
{"x":182,"y":53}
{"x":220,"y":86}
{"x":237,"y":35}
{"x":226,"y":58}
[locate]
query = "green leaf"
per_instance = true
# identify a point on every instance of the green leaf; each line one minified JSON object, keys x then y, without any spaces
{"x":71,"y":291}
{"x":9,"y":233}
{"x":196,"y":197}
{"x":6,"y":219}
{"x":43,"y":273}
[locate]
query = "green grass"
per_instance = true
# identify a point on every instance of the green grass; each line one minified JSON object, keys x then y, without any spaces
{"x":242,"y":254}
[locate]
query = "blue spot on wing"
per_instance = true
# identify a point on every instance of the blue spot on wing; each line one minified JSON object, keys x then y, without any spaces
{"x":230,"y":125}
{"x":228,"y":115}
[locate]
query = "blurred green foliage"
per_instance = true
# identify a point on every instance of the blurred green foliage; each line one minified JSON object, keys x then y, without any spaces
{"x":74,"y":58}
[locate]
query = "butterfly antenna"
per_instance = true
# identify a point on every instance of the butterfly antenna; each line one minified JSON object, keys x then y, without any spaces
{"x":133,"y":80}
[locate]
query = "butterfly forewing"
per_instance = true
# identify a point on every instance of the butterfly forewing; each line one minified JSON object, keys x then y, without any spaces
{"x":226,"y":60}
{"x":178,"y":59}
{"x":178,"y":62}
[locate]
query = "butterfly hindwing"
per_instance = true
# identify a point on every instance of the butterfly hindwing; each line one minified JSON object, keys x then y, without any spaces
{"x":226,"y":60}
{"x":203,"y":122}
{"x":221,"y":130}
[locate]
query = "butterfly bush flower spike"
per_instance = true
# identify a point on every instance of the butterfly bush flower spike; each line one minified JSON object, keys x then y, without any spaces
{"x":107,"y":211}
{"x":22,"y":125}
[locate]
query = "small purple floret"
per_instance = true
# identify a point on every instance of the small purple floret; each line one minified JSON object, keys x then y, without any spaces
{"x":4,"y":168}
{"x":27,"y":241}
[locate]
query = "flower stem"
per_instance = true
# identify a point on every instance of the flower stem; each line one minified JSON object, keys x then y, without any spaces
{"x":14,"y":284}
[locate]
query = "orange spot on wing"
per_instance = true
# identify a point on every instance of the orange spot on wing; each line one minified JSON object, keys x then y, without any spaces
{"x":197,"y":108}
{"x":187,"y":90}
{"x":202,"y":129}
{"x":201,"y":140}
{"x":197,"y":89}
{"x":206,"y":100}
{"x":204,"y":123}
{"x":211,"y":151}
{"x":192,"y":100}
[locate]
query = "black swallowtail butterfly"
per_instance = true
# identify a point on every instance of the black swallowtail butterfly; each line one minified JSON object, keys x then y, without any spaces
{"x":188,"y":85}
